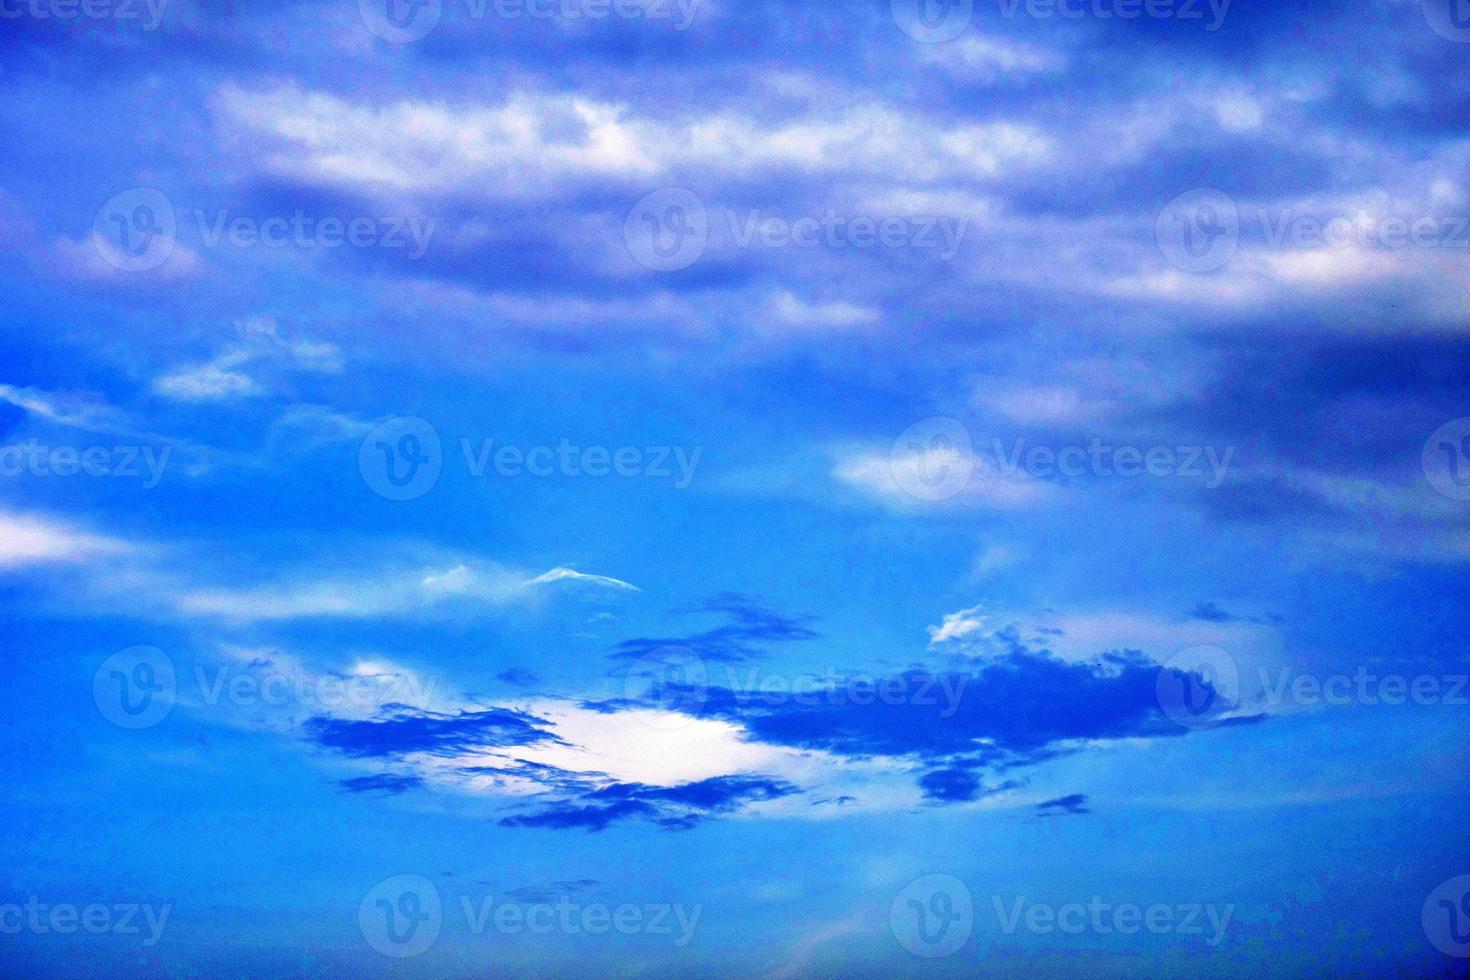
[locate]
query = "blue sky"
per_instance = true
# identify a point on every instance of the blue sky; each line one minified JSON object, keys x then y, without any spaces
{"x":694,"y":488}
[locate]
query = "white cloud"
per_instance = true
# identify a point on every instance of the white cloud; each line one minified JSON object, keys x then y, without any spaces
{"x":215,"y":381}
{"x":464,"y":587}
{"x":958,"y":625}
{"x":263,"y":348}
{"x":890,"y":479}
{"x":1083,"y":637}
{"x":1046,"y":404}
{"x":978,"y":57}
{"x":787,"y":310}
{"x":535,"y":144}
{"x":30,"y":539}
{"x":568,"y":575}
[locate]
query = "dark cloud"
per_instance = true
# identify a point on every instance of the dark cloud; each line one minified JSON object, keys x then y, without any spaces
{"x":519,"y":676}
{"x":1015,"y":706}
{"x":751,"y":624}
{"x":402,"y":730}
{"x":959,"y":784}
{"x":1212,"y":613}
{"x":1017,"y":710}
{"x":1064,"y":806}
{"x":387,"y":783}
{"x":543,"y":894}
{"x":671,"y":807}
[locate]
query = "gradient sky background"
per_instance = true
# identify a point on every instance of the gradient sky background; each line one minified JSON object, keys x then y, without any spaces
{"x":821,"y":635}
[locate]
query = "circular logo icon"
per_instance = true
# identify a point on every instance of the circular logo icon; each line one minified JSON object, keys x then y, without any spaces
{"x":933,"y":916}
{"x":1199,"y":231}
{"x":1446,"y":917}
{"x":668,"y":230}
{"x":1450,"y":19}
{"x":135,"y":231}
{"x":934,"y":459}
{"x":401,"y":459}
{"x":1447,"y":459}
{"x":400,"y":21}
{"x":1196,"y":687}
{"x":673,"y":680}
{"x":933,"y":21}
{"x":135,"y":688}
{"x":401,"y":916}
